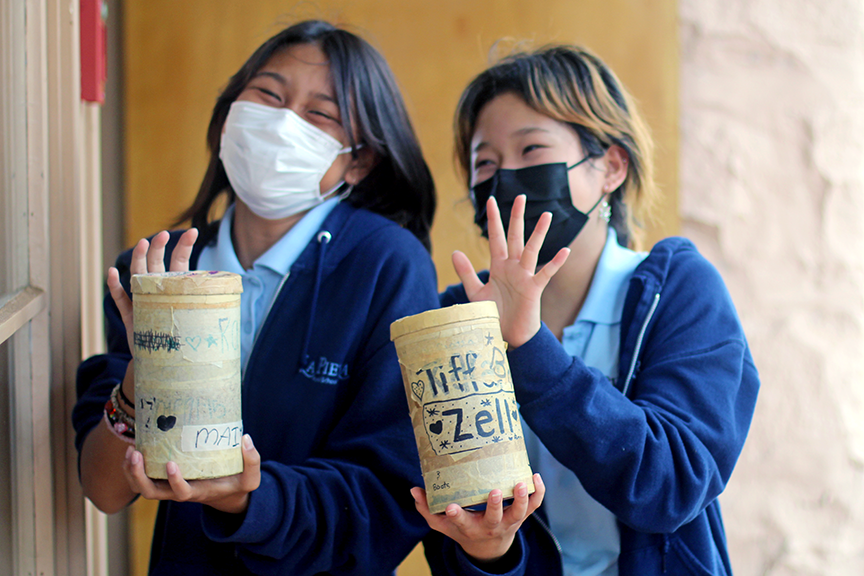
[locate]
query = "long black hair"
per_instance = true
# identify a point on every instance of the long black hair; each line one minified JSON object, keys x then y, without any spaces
{"x":399,"y":187}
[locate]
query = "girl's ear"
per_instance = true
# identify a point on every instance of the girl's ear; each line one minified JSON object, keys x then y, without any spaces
{"x":361,"y":166}
{"x":617,"y":161}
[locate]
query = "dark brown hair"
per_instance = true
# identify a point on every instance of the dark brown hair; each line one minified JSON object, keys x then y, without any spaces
{"x":573,"y":86}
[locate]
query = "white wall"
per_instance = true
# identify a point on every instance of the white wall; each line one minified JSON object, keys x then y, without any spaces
{"x":772,"y":192}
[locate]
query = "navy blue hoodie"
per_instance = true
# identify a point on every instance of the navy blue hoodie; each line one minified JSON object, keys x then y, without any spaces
{"x":657,"y":446}
{"x":324,"y":403}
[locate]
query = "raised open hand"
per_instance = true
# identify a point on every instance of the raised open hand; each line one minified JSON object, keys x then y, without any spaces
{"x":515,"y":284}
{"x":147,"y":257}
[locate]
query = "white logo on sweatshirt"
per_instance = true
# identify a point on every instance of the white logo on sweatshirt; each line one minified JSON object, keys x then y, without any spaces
{"x":325,"y":372}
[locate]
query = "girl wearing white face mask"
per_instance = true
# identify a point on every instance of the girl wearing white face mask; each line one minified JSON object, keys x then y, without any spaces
{"x":329,"y":209}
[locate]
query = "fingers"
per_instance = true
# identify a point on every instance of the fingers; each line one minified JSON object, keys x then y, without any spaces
{"x":183,"y":251}
{"x":461,"y":519}
{"x":468,"y":276}
{"x":118,"y":294}
{"x":181,"y":489}
{"x":250,"y":478}
{"x":465,"y":521}
{"x":229,"y":494}
{"x":150,"y":256}
{"x":483,"y":535}
{"x":138,"y":265}
{"x":518,"y":509}
{"x":419,"y":495}
{"x":454,"y":519}
{"x":128,"y":463}
{"x":133,"y":469}
{"x":175,"y":488}
{"x":497,"y":240}
{"x":156,"y":253}
{"x":516,"y":231}
{"x":551,"y":268}
{"x":494,"y":509}
{"x":536,"y":498}
{"x":524,"y":505}
{"x":535,"y":242}
{"x":435,"y":521}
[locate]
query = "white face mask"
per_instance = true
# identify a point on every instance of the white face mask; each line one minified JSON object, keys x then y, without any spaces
{"x":275,"y":160}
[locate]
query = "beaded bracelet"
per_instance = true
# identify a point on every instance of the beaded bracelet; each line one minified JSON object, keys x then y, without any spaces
{"x":114,"y":430}
{"x":125,"y":398}
{"x":121,"y":423}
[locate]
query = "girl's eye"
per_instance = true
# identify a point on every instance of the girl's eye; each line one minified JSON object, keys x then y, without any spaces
{"x":323,"y":115}
{"x":269,"y":93}
{"x":482,"y":164}
{"x":531,"y":148}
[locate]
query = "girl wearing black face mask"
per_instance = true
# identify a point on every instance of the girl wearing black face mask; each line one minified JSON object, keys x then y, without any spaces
{"x":633,"y":375}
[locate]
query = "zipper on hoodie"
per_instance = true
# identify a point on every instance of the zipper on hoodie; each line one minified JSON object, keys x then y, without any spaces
{"x":634,"y":365}
{"x":634,"y":360}
{"x":555,"y":541}
{"x":323,"y":238}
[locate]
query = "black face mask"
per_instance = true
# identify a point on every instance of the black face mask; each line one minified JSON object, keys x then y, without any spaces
{"x":547,"y":189}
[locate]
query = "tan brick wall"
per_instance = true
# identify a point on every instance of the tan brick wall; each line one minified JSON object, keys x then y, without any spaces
{"x":772,"y":191}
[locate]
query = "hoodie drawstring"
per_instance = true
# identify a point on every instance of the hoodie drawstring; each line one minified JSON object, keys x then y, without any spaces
{"x":323,"y":240}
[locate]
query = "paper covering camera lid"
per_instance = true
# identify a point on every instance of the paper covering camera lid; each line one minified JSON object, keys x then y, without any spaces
{"x":193,"y":282}
{"x":442,"y":317}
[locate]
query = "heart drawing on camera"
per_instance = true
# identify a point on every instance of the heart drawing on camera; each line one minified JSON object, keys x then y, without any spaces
{"x":166,"y":423}
{"x":418,"y":388}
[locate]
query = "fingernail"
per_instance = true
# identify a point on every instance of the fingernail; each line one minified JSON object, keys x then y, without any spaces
{"x":495,"y":497}
{"x":171,"y":467}
{"x":538,"y":480}
{"x":521,"y":490}
{"x":129,"y":451}
{"x":414,"y":495}
{"x":136,"y":457}
{"x":452,"y":510}
{"x":247,"y":442}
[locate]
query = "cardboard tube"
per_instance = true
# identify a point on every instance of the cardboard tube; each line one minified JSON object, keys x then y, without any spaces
{"x":462,"y":405}
{"x":187,"y":372}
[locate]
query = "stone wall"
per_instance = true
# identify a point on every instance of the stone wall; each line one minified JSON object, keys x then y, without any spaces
{"x":772,"y":192}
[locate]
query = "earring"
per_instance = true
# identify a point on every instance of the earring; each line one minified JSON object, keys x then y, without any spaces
{"x":605,"y":211}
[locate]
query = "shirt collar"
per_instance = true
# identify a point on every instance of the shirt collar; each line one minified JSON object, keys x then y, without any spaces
{"x":281,"y":256}
{"x":222,"y":255}
{"x":605,"y":301}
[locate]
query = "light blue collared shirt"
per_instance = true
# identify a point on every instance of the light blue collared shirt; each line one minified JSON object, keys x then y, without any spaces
{"x":587,"y":532}
{"x":262,"y":282}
